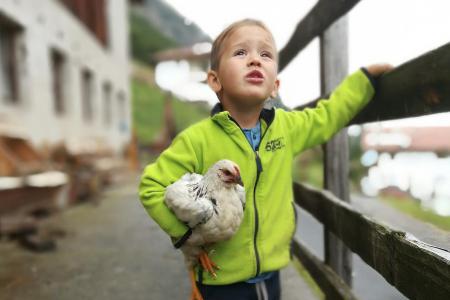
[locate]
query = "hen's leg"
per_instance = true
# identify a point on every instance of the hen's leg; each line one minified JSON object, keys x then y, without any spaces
{"x":195,"y":295}
{"x":208,"y":264}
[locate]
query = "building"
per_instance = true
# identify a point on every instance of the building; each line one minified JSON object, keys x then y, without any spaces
{"x":64,"y":72}
{"x":407,"y":139}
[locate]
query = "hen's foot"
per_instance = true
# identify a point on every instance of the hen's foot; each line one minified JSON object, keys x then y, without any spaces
{"x":195,"y":294}
{"x":208,"y":264}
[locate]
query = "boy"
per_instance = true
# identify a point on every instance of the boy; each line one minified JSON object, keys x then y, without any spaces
{"x":263,"y":143}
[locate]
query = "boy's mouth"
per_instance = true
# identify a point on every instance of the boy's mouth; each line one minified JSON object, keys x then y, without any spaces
{"x":254,"y":76}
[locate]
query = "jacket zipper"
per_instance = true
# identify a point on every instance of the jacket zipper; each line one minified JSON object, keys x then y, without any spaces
{"x":259,"y":169}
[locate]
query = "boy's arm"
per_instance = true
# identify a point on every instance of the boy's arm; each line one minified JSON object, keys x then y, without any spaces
{"x":174,"y":162}
{"x":314,"y":126}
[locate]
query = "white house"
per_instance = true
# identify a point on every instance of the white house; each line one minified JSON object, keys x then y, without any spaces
{"x":64,"y":72}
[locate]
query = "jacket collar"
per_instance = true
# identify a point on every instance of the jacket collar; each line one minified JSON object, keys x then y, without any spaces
{"x":218,"y":114}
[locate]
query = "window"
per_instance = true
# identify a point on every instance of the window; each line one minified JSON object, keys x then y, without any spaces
{"x":87,"y":95}
{"x":107,"y":105}
{"x":8,"y":61}
{"x":93,"y":14}
{"x":122,"y":112}
{"x":59,"y":79}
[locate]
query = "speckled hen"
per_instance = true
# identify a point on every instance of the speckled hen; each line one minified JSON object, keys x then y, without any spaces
{"x":212,"y":206}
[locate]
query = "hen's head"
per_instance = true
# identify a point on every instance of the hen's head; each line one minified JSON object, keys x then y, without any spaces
{"x":227,"y":171}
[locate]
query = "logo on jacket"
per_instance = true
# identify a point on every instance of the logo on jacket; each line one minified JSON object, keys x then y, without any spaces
{"x":275,"y":144}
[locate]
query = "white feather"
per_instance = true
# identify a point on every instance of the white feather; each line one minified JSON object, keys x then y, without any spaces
{"x":180,"y":198}
{"x":209,"y":204}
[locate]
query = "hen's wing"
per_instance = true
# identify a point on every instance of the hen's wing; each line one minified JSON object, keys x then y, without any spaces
{"x":241,"y":194}
{"x":187,"y":198}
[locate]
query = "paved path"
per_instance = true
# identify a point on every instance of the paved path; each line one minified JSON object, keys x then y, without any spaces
{"x":111,"y":251}
{"x":383,"y":212}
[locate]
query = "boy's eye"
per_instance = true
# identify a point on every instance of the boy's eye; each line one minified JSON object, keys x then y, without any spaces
{"x":239,"y":52}
{"x":266,"y":54}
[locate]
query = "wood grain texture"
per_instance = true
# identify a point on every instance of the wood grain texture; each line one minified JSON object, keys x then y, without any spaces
{"x":418,"y":87}
{"x":417,"y":269}
{"x":321,"y":16}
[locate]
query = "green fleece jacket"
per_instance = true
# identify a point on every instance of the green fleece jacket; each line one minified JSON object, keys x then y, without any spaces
{"x":262,"y":242}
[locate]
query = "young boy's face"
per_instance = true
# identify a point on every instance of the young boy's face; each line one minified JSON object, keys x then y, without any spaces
{"x":247,"y":72}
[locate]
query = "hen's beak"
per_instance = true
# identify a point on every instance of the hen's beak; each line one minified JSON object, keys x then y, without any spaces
{"x":238,"y":180}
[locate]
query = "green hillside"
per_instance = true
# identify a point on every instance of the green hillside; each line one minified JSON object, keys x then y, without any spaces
{"x":145,"y":39}
{"x":148,"y":104}
{"x":169,"y":22}
{"x":147,"y":99}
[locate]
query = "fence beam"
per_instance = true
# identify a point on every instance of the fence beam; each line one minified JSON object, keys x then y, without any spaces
{"x":322,"y":15}
{"x":418,"y":87}
{"x":415,"y":268}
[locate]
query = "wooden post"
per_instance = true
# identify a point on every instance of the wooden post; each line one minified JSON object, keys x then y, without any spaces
{"x":319,"y":18}
{"x":334,"y":67}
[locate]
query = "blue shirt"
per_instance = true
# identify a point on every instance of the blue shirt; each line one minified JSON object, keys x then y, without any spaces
{"x":253,"y":136}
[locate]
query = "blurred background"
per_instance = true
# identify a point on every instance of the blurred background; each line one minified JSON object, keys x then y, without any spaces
{"x":92,"y":91}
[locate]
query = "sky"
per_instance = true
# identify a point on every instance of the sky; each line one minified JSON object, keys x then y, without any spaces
{"x":392,"y":31}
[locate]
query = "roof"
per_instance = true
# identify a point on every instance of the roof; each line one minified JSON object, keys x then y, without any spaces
{"x":199,"y":51}
{"x":407,"y":139}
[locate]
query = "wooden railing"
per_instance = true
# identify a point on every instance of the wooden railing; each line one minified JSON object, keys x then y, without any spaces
{"x":418,"y":87}
{"x":415,"y":268}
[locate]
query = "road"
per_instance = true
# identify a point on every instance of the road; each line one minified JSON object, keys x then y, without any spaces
{"x":110,"y":250}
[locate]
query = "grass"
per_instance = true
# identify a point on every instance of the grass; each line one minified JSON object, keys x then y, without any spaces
{"x":148,"y":105}
{"x":414,"y":209}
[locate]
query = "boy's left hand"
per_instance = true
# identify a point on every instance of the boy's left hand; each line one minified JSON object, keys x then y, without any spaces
{"x":377,"y":70}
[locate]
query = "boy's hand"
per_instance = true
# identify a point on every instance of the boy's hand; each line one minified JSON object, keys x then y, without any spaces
{"x":378,"y":69}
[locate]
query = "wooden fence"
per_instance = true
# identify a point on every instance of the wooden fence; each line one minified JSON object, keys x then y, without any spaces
{"x":418,"y":87}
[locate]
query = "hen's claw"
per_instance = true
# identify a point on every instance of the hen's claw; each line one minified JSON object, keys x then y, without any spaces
{"x":208,"y":264}
{"x":195,"y":294}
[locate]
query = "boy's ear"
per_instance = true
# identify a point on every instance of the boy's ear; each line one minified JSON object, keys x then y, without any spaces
{"x":274,"y":92}
{"x":213,"y":81}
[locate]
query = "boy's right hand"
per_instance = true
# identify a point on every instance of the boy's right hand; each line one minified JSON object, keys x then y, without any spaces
{"x":377,"y":70}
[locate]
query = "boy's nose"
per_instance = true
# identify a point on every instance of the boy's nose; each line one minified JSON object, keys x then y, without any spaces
{"x":254,"y":61}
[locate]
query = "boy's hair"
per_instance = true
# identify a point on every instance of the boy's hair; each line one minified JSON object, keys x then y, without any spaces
{"x":216,"y":51}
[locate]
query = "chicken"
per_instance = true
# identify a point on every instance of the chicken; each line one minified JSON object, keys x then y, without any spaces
{"x":212,"y":206}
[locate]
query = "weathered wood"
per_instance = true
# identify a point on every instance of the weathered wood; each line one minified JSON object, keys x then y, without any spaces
{"x":417,"y":269}
{"x":419,"y":87}
{"x":334,"y":68}
{"x":322,"y":15}
{"x":329,"y":282}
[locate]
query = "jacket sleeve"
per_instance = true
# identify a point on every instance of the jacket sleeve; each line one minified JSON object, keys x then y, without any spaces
{"x":314,"y":126}
{"x":174,"y":162}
